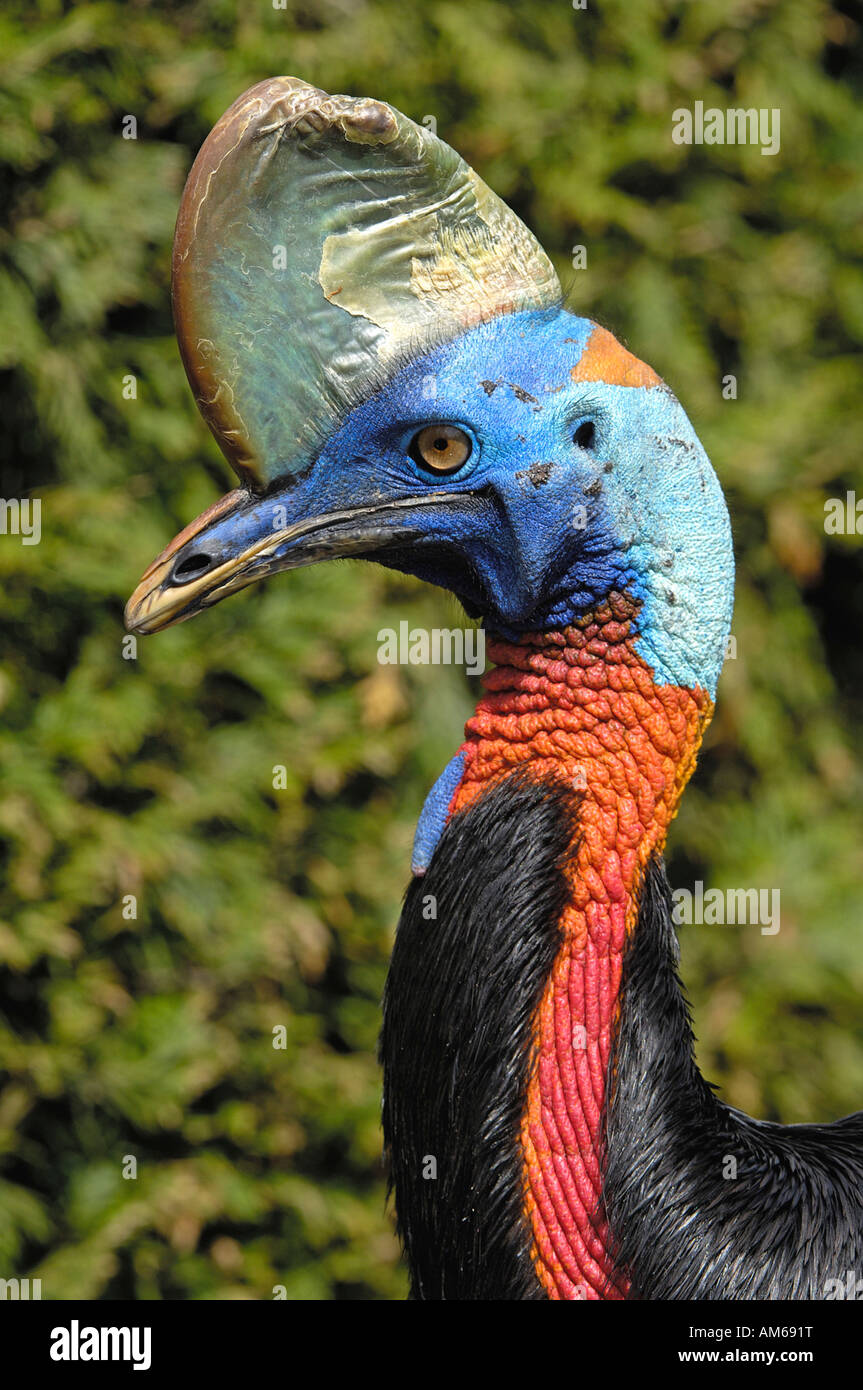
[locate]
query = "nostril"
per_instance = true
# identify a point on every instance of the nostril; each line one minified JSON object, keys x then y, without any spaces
{"x":585,"y":435}
{"x":191,"y":567}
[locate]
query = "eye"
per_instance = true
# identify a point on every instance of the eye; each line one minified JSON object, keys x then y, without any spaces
{"x":440,"y":448}
{"x":584,"y":435}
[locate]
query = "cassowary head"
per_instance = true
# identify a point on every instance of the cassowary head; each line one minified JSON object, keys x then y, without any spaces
{"x":381,"y":349}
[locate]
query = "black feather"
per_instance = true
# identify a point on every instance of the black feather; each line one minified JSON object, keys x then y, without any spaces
{"x":792,"y":1217}
{"x":460,"y":999}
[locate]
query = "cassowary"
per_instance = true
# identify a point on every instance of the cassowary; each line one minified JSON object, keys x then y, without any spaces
{"x":381,"y":349}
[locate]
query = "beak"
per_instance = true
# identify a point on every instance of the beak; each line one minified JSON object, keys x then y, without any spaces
{"x":244,"y":537}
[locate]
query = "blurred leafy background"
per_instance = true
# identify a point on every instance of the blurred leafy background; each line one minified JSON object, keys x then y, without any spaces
{"x":152,"y":777}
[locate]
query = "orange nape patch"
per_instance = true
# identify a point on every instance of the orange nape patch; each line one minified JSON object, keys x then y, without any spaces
{"x":605,"y":359}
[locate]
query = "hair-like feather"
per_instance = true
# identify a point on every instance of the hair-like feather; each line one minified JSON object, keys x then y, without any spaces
{"x":705,"y":1202}
{"x":461,"y":995}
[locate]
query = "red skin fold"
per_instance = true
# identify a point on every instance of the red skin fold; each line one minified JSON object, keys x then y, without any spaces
{"x":582,"y":706}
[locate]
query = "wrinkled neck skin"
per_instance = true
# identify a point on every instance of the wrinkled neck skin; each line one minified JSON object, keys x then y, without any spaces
{"x":581,"y":706}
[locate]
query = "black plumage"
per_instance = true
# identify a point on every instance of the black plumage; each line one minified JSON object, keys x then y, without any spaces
{"x":704,"y":1202}
{"x":460,"y":998}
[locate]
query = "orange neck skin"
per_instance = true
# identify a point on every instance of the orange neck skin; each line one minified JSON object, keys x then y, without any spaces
{"x":581,"y":706}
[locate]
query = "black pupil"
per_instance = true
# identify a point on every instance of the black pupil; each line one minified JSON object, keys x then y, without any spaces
{"x":583,"y":436}
{"x":439,"y":448}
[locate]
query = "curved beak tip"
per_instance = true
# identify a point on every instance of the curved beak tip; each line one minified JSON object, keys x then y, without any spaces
{"x":149,"y":609}
{"x":159,"y":602}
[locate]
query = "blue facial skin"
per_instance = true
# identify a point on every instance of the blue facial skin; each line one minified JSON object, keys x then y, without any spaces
{"x":547,"y":526}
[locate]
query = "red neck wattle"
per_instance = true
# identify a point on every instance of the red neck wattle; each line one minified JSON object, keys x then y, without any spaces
{"x":581,"y":706}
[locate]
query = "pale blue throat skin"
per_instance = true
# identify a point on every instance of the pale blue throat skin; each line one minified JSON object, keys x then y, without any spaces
{"x":535,"y":529}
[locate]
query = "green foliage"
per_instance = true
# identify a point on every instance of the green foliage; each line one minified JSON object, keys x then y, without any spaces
{"x":152,"y":1036}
